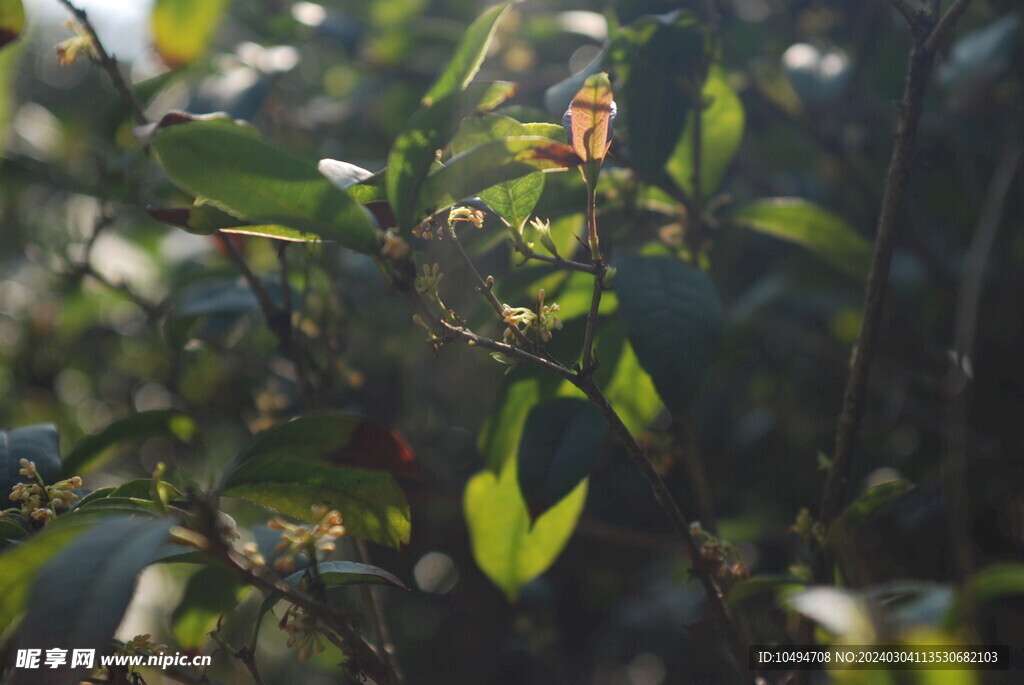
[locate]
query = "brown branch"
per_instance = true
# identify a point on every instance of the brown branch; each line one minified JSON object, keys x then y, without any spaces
{"x":108,"y":63}
{"x":600,"y":268}
{"x":735,"y":631}
{"x":921,"y":59}
{"x":375,"y":607}
{"x":361,"y":654}
{"x":484,"y":288}
{"x":945,"y":24}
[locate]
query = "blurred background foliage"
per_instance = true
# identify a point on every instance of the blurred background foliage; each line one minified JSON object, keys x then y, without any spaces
{"x":105,"y":312}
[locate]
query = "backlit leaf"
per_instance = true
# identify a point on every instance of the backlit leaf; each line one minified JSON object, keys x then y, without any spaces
{"x":721,"y":128}
{"x":12,"y":21}
{"x":590,"y":118}
{"x":304,"y":462}
{"x":428,"y":130}
{"x":209,"y":594}
{"x":506,"y":547}
{"x":798,"y":221}
{"x":182,"y":29}
{"x":469,"y":55}
{"x":91,"y":450}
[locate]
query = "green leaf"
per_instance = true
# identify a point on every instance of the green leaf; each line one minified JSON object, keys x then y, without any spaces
{"x":259,"y":182}
{"x":182,"y":29}
{"x":302,"y":463}
{"x":20,"y":564}
{"x":513,"y":200}
{"x":558,"y":97}
{"x":991,"y":584}
{"x":489,"y":164}
{"x":431,"y":128}
{"x":210,"y":593}
{"x":338,"y":573}
{"x":91,"y":451}
{"x":662,"y":62}
{"x":362,"y":184}
{"x":9,"y":60}
{"x":506,"y":547}
{"x":721,"y":129}
{"x":798,"y":221}
{"x":629,"y":388}
{"x":499,"y":438}
{"x":12,"y":21}
{"x":88,"y":585}
{"x":207,"y":220}
{"x":469,"y":55}
{"x":39,"y":444}
{"x":559,"y":443}
{"x":672,"y":317}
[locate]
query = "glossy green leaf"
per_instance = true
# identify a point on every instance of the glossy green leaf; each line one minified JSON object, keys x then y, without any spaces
{"x":721,"y":128}
{"x":513,"y":200}
{"x":39,"y":444}
{"x":431,"y":128}
{"x":182,"y":29}
{"x":559,"y":444}
{"x":506,"y":547}
{"x":20,"y":564}
{"x":672,"y":317}
{"x":798,"y":221}
{"x":88,"y":584}
{"x":91,"y":451}
{"x":259,"y":182}
{"x":661,"y":61}
{"x":469,"y":55}
{"x":12,"y":21}
{"x":338,"y":573}
{"x":489,"y":164}
{"x":209,"y":594}
{"x":303,"y":462}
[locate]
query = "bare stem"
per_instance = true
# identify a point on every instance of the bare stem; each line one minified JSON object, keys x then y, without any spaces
{"x":360,"y":653}
{"x":921,"y":59}
{"x":109,"y":64}
{"x":560,"y":261}
{"x":375,"y":606}
{"x":600,"y":268}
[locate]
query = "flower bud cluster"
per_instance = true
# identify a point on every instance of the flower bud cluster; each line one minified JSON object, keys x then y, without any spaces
{"x":538,"y":324}
{"x":303,"y":632}
{"x":720,"y":557}
{"x":311,"y":539}
{"x":39,"y":501}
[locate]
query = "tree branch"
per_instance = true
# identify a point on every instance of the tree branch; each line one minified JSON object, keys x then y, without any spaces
{"x":921,"y":59}
{"x":108,"y":63}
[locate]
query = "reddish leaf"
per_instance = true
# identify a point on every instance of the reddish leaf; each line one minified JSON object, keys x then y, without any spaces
{"x":591,"y":115}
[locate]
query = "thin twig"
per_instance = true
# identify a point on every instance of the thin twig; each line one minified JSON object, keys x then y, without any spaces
{"x":958,"y":386}
{"x":912,"y":13}
{"x":600,"y":268}
{"x":735,"y":631}
{"x":559,"y":261}
{"x":375,"y":607}
{"x":109,"y":64}
{"x":485,"y":289}
{"x":945,"y":24}
{"x":361,"y":654}
{"x":921,"y":59}
{"x":686,"y":438}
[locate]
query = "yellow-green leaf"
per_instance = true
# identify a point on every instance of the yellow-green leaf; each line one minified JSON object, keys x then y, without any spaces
{"x":182,"y":29}
{"x":12,"y":21}
{"x":506,"y":548}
